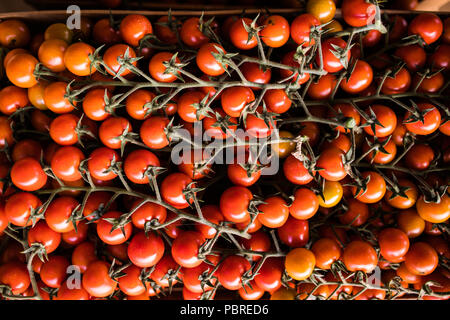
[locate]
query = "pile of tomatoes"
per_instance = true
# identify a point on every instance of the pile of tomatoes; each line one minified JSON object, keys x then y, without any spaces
{"x":355,"y":109}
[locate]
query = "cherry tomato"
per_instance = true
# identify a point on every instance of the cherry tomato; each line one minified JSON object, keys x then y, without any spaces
{"x":300,"y":263}
{"x":332,"y":194}
{"x":103,"y":32}
{"x":400,"y":201}
{"x":191,"y":35}
{"x":231,"y":271}
{"x":28,"y":175}
{"x":385,"y":116}
{"x":331,"y":161}
{"x":323,"y":88}
{"x":234,"y":203}
{"x":97,"y":280}
{"x":54,"y":271}
{"x":189,"y":106}
{"x":218,"y":132}
{"x":239,"y":36}
{"x":54,"y":98}
{"x":159,"y":71}
{"x":421,"y":259}
{"x":115,"y":53}
{"x":21,"y":207}
{"x":435,"y":212}
{"x":398,"y":83}
{"x":112,"y":131}
{"x":235,"y":99}
{"x":77,"y":61}
{"x":66,"y":162}
{"x":294,"y":233}
{"x":295,"y":171}
{"x":428,"y":26}
{"x":304,"y":205}
{"x":173,"y":188}
{"x":253,"y":72}
{"x":42,"y":234}
{"x":20,"y":68}
{"x":59,"y":214}
{"x":207,"y":62}
{"x":431,"y":120}
{"x":330,"y":62}
{"x":12,"y":99}
{"x":107,"y":232}
{"x":58,"y":31}
{"x":290,"y":61}
{"x":14,"y":274}
{"x":394,"y":244}
{"x":100,"y":163}
{"x":410,"y":223}
{"x":360,"y":79}
{"x":360,"y":255}
{"x":419,"y":157}
{"x":134,"y":27}
{"x":145,"y":251}
{"x":274,"y":212}
{"x":276,"y":31}
{"x":358,"y":13}
{"x":66,"y":293}
{"x":326,"y":251}
{"x":185,"y":249}
{"x":413,"y":55}
{"x":301,"y":29}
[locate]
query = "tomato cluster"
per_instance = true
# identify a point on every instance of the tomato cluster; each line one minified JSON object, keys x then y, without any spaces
{"x":356,"y":118}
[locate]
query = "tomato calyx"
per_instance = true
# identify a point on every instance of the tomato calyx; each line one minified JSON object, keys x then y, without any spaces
{"x":202,"y":108}
{"x":223,"y":58}
{"x":190,"y":192}
{"x":205,"y":26}
{"x":397,"y":189}
{"x":417,"y":115}
{"x":173,"y":67}
{"x":252,"y":29}
{"x":172,"y":277}
{"x":119,"y":223}
{"x":38,"y":249}
{"x":376,"y":146}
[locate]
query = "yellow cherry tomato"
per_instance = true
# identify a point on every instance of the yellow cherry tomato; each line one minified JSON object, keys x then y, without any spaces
{"x":324,"y":10}
{"x":300,"y":263}
{"x":58,"y":31}
{"x":332,"y":194}
{"x":283,"y":294}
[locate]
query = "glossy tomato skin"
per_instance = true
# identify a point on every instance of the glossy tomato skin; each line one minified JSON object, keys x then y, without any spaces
{"x":66,"y":162}
{"x":397,"y":84}
{"x":331,"y":161}
{"x":54,"y":98}
{"x":413,"y":55}
{"x":66,"y":293}
{"x":360,"y":79}
{"x":100,"y":162}
{"x":96,"y":280}
{"x":376,"y":188}
{"x":358,"y":13}
{"x":301,"y":29}
{"x":240,"y":37}
{"x":153,"y":132}
{"x":112,"y":54}
{"x":326,"y":251}
{"x":431,"y":120}
{"x":134,"y":27}
{"x":386,"y":117}
{"x":147,"y":212}
{"x":172,"y":189}
{"x":27,"y":174}
{"x":14,"y":33}
{"x":158,"y":70}
{"x":294,"y":233}
{"x":76,"y":59}
{"x":103,"y":32}
{"x":12,"y":98}
{"x":41,"y":233}
{"x":289,"y":60}
{"x":360,"y":255}
{"x":421,"y":259}
{"x":191,"y":35}
{"x":231,"y":271}
{"x":434,"y":212}
{"x":130,"y":283}
{"x":299,"y":263}
{"x":213,"y":214}
{"x":206,"y":61}
{"x":136,"y":164}
{"x":20,"y":68}
{"x":428,"y":26}
{"x":235,"y":99}
{"x":394,"y":244}
{"x":295,"y":171}
{"x":112,"y":129}
{"x":58,"y":213}
{"x":323,"y":88}
{"x":145,"y":251}
{"x":304,"y":205}
{"x":20,"y":206}
{"x":53,"y":271}
{"x":136,"y":104}
{"x":185,"y":249}
{"x":276,"y":31}
{"x":15,"y":275}
{"x":234,"y":203}
{"x":253,"y":72}
{"x":419,"y":157}
{"x":117,"y":236}
{"x":186,"y":106}
{"x":332,"y":64}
